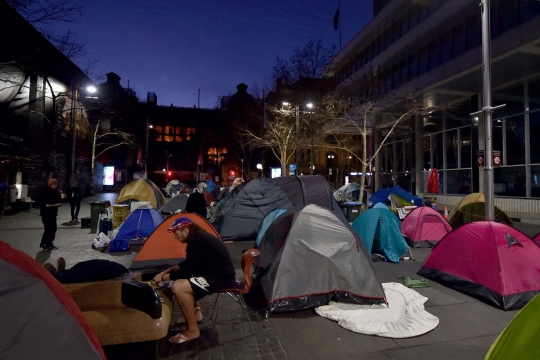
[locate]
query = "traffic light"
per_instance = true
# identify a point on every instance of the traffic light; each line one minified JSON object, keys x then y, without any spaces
{"x":231,"y":173}
{"x":169,"y":173}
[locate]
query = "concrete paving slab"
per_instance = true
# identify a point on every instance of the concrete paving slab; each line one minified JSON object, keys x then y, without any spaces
{"x":469,"y":349}
{"x":462,"y":321}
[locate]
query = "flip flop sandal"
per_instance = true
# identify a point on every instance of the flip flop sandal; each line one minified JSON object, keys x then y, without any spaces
{"x":179,"y":339}
{"x":198,"y":317}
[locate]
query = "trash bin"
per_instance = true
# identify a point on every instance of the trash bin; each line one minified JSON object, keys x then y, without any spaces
{"x":95,"y":211}
{"x":352,"y":210}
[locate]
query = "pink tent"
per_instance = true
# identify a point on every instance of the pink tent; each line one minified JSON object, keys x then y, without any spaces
{"x":490,"y":261}
{"x":424,"y":227}
{"x":536,"y":239}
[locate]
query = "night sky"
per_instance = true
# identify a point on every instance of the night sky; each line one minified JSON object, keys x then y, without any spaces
{"x":175,"y":47}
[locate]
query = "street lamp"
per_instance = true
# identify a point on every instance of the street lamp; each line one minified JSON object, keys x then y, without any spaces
{"x":91,"y":89}
{"x":297,"y":113}
{"x":259,"y":167}
{"x":148,"y":126}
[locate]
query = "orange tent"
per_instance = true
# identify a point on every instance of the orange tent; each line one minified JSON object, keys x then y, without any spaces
{"x":162,"y":250}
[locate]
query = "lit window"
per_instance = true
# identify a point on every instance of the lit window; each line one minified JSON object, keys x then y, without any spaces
{"x":159,"y":129}
{"x":169,"y":130}
{"x":179,"y":139}
{"x":178,"y":129}
{"x":159,"y":138}
{"x":169,"y":138}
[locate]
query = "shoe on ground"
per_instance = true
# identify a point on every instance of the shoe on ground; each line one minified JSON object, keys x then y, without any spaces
{"x":49,"y":267}
{"x":61,"y":264}
{"x":45,"y":248}
{"x":52,"y":247}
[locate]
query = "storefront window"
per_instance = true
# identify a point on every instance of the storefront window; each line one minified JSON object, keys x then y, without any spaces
{"x":452,"y":149}
{"x":427,"y":152}
{"x":413,"y":66}
{"x":497,"y":135}
{"x":473,"y":31}
{"x":515,"y":140}
{"x":422,"y":61}
{"x":535,"y":181}
{"x":510,"y":181}
{"x":534,"y":124}
{"x":506,"y":15}
{"x":512,"y":97}
{"x":458,"y":40}
{"x":528,"y":9}
{"x":433,"y":49}
{"x":404,"y":180}
{"x":438,"y":151}
{"x":534,"y":94}
{"x":458,"y":182}
{"x":465,"y":147}
{"x":446,"y":47}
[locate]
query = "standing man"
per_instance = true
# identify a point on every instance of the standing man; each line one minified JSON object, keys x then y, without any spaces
{"x":75,"y":200}
{"x":196,"y":203}
{"x":49,"y":201}
{"x":208,"y":268}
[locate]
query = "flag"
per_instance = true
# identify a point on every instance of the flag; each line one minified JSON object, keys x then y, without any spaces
{"x":336,"y":19}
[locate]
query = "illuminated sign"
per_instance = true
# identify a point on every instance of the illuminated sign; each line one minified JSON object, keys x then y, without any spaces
{"x":275,"y":172}
{"x":108,"y":173}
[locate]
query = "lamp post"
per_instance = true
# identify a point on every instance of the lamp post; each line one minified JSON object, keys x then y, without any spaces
{"x":297,"y":114}
{"x":74,"y":96}
{"x":148,"y":127}
{"x":310,"y":106}
{"x":259,"y":167}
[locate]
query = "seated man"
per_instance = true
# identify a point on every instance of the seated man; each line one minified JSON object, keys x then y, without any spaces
{"x":207,"y":268}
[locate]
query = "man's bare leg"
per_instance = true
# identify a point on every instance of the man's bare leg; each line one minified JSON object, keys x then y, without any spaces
{"x":184,"y":295}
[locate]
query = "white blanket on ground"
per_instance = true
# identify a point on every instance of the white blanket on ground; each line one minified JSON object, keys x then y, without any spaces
{"x":404,"y":317}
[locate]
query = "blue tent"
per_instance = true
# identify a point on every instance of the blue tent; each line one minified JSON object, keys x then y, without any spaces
{"x":211,"y":183}
{"x":139,"y":224}
{"x":383,"y":194}
{"x":267,"y":221}
{"x":380,"y":231}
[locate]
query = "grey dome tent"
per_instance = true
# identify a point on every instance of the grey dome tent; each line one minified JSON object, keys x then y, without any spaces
{"x":240,"y":213}
{"x":310,"y":256}
{"x":177,"y":202}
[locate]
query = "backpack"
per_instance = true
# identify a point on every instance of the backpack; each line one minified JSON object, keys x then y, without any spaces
{"x":118,"y":246}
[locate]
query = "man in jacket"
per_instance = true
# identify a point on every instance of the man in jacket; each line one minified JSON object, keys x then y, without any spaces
{"x":75,"y":200}
{"x":208,"y":268}
{"x":49,"y":201}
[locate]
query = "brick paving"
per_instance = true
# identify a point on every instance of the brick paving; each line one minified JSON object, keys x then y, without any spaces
{"x":233,"y":337}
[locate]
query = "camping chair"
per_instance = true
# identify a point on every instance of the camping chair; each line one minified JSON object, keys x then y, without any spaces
{"x":242,"y":287}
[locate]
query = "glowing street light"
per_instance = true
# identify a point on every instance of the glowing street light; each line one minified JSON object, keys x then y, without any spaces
{"x":285,"y":103}
{"x":259,"y":166}
{"x":309,"y":105}
{"x":91,"y":89}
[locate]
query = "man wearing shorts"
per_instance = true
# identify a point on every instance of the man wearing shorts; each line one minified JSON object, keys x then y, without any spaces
{"x":207,"y":268}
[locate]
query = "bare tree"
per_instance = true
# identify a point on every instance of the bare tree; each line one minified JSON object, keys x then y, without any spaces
{"x":309,"y":61}
{"x":351,"y":111}
{"x":42,"y":13}
{"x":279,"y":136}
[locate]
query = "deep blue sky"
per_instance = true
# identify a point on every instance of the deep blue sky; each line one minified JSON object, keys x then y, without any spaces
{"x":174,"y":47}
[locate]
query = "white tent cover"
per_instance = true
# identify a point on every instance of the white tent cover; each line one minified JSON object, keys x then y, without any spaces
{"x":405,"y":316}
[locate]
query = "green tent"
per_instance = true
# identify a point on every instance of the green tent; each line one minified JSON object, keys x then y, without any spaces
{"x":380,"y":231}
{"x":520,"y":338}
{"x":472,"y":208}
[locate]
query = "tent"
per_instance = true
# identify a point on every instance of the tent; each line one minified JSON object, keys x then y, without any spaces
{"x":141,"y":190}
{"x":40,"y":320}
{"x":236,"y":182}
{"x":177,"y":202}
{"x":215,"y":192}
{"x":201,"y":186}
{"x":267,"y":221}
{"x":383,"y":195}
{"x":424,"y":227}
{"x":380,"y":231}
{"x":310,"y":256}
{"x":139,"y":224}
{"x":162,"y":250}
{"x":240,"y":214}
{"x":536,"y":239}
{"x":520,"y":338}
{"x":174,"y":187}
{"x":472,"y":208}
{"x":348,"y":192}
{"x":211,"y":184}
{"x":222,"y":194}
{"x":487,"y":260}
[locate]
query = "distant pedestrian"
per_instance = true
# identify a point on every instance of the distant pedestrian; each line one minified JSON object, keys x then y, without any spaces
{"x":75,"y":199}
{"x":196,"y":203}
{"x":49,"y":201}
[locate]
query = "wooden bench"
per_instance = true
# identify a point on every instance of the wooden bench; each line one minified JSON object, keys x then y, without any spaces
{"x":124,"y":312}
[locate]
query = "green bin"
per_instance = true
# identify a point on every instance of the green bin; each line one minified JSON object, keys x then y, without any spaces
{"x":352,"y":210}
{"x":95,"y":211}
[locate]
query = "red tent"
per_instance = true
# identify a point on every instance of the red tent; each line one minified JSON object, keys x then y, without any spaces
{"x":490,"y":261}
{"x":424,"y":227}
{"x":40,"y":320}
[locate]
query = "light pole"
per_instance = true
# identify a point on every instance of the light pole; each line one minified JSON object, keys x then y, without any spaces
{"x":259,"y":167}
{"x":297,"y":114}
{"x":148,"y":127}
{"x":487,"y":111}
{"x":74,"y":96}
{"x":310,"y":106}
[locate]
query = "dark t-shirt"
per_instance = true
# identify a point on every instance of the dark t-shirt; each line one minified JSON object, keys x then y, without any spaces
{"x":48,"y":196}
{"x":206,"y":255}
{"x":196,"y":204}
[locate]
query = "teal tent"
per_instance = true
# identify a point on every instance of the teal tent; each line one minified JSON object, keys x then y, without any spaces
{"x":267,"y":221}
{"x":380,"y":231}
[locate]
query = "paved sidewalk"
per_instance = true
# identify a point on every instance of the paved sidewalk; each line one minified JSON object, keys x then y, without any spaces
{"x":467,"y":326}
